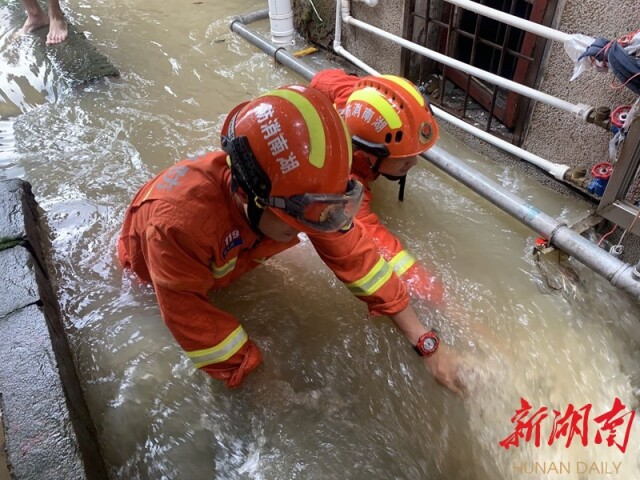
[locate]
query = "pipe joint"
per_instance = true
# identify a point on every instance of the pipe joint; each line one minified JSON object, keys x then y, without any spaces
{"x":583,"y":112}
{"x":600,"y":116}
{"x":249,"y":18}
{"x":554,"y":231}
{"x":618,"y":278}
{"x":616,"y":251}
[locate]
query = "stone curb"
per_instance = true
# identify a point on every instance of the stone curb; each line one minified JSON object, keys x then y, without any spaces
{"x":48,"y":431}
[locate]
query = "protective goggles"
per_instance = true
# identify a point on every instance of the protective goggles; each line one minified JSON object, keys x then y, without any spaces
{"x":319,"y":211}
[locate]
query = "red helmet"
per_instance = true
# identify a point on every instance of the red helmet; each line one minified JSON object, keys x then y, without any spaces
{"x":388,"y":113}
{"x":291,"y":151}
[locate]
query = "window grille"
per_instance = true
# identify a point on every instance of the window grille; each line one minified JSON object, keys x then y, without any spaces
{"x":484,"y":43}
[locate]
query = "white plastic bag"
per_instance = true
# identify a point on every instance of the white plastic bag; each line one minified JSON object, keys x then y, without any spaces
{"x":575,"y":47}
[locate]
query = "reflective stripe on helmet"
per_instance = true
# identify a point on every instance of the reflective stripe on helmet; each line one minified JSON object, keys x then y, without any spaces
{"x":314,"y":124}
{"x":221,"y":352}
{"x":408,"y":86}
{"x":377,"y":100}
{"x":402,"y":262}
{"x":219,"y":272}
{"x":372,"y":281}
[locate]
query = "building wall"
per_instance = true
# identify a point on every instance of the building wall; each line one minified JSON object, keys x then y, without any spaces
{"x":554,"y":134}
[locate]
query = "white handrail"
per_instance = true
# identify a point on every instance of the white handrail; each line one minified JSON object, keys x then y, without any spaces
{"x":580,"y":110}
{"x":512,"y":20}
{"x":556,"y":169}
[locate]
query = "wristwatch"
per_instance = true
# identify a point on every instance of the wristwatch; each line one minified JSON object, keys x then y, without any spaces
{"x":427,"y":343}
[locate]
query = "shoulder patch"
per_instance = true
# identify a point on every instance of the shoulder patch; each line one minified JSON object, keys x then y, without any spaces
{"x":230,"y":240}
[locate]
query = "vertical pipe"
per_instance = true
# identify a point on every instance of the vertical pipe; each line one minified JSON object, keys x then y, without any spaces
{"x":281,"y":20}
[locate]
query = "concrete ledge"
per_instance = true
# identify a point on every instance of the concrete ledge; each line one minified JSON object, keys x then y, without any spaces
{"x":48,"y":430}
{"x":40,"y":440}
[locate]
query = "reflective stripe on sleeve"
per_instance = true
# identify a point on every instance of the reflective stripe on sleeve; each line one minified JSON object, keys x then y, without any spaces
{"x":372,"y":281}
{"x":221,"y":352}
{"x":219,"y":272}
{"x":402,"y":262}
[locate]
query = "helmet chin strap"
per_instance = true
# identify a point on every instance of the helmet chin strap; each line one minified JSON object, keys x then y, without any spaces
{"x":380,"y":152}
{"x":254,"y":213}
{"x":402,"y":180}
{"x":247,"y":174}
{"x":375,"y":168}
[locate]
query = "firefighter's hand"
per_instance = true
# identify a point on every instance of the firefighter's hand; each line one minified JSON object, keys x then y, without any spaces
{"x":234,"y":370}
{"x":445,"y":366}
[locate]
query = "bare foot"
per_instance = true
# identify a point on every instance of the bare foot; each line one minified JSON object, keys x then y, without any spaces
{"x":33,"y":23}
{"x":57,"y":31}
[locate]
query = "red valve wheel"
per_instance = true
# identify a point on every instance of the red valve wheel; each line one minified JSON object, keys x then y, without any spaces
{"x":619,"y":115}
{"x":602,"y":170}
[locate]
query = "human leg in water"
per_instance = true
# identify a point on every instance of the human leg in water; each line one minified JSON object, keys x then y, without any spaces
{"x":37,"y":19}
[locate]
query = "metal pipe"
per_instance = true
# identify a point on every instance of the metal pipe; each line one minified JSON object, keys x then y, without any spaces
{"x":251,"y":17}
{"x":620,"y":274}
{"x":512,"y":20}
{"x":580,"y":110}
{"x":278,"y":53}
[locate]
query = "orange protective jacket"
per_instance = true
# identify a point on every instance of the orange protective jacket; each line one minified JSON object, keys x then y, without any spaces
{"x":421,"y":283}
{"x":185,"y":233}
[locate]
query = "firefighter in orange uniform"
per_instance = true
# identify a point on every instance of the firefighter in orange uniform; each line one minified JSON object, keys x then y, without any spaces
{"x":202,"y":223}
{"x":390,"y":124}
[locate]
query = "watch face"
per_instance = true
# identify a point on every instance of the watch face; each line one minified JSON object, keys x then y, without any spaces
{"x":428,"y":344}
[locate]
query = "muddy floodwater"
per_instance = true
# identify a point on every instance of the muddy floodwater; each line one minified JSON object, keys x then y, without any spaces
{"x":340,"y":395}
